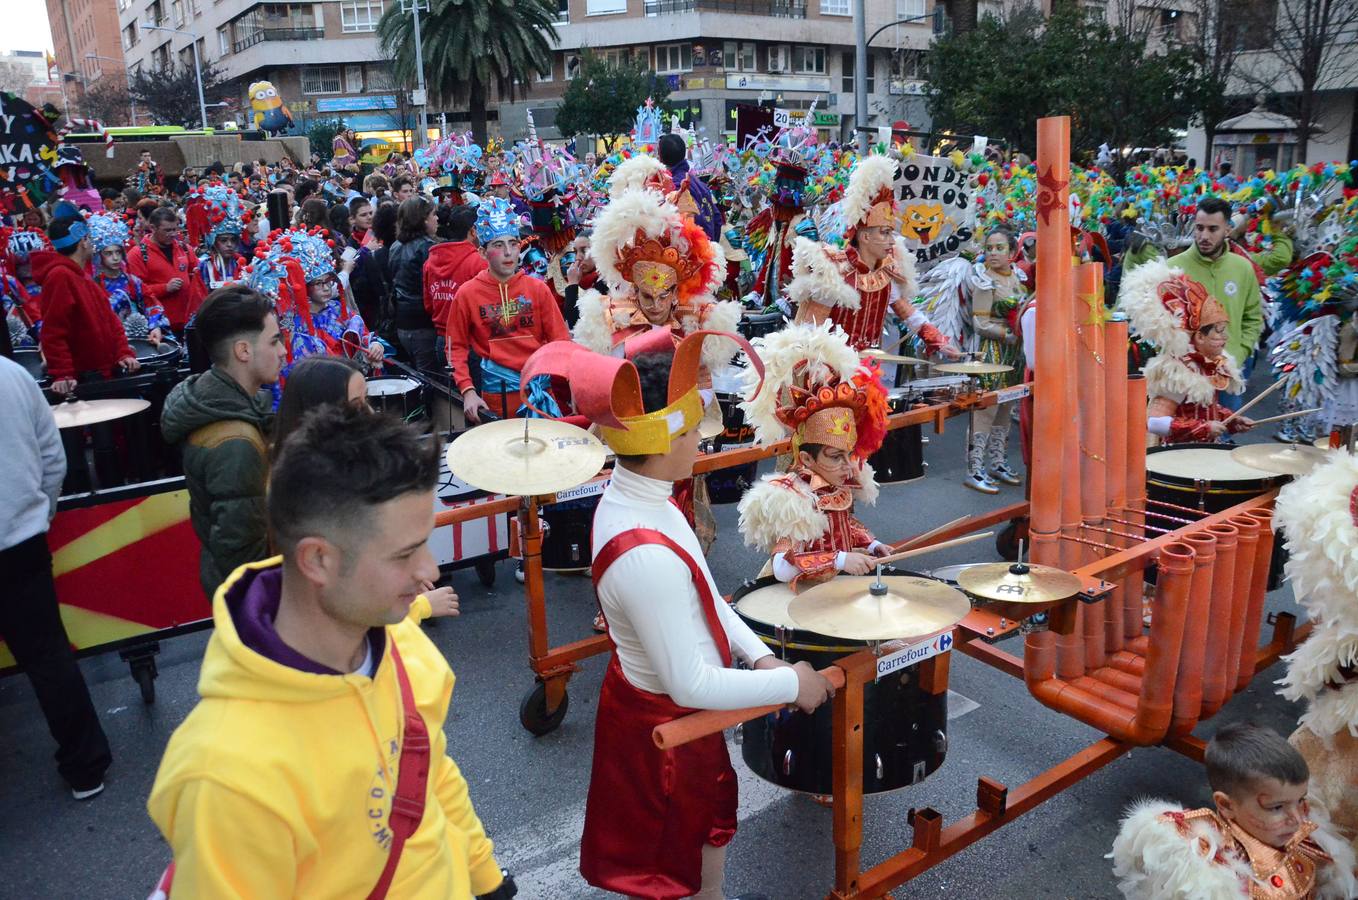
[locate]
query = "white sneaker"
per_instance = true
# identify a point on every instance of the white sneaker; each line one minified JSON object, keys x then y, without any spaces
{"x":86,"y":795}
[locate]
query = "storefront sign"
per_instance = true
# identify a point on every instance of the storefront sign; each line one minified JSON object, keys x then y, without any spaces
{"x":754,"y":82}
{"x":349,"y":104}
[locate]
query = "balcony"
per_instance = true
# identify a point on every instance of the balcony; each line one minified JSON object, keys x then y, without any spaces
{"x":779,"y":9}
{"x":278,"y":34}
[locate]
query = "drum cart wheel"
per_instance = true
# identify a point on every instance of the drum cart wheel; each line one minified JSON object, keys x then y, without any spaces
{"x":533,"y":714}
{"x":141,"y":661}
{"x":485,"y":571}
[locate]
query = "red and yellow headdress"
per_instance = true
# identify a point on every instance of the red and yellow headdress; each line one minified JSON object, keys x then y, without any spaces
{"x":640,"y":238}
{"x":1166,"y":307}
{"x":870,"y":200}
{"x":607,"y":389}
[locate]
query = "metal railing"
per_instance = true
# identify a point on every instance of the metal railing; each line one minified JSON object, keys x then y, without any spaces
{"x":278,"y":34}
{"x":779,"y":9}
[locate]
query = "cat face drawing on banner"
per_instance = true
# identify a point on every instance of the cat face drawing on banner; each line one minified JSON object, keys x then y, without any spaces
{"x":935,"y":201}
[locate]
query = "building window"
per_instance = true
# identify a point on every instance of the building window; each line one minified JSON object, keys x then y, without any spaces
{"x":320,"y":79}
{"x":908,"y":65}
{"x":359,"y":15}
{"x":130,"y":35}
{"x":186,"y":57}
{"x":161,"y":57}
{"x":155,"y":13}
{"x":673,"y":58}
{"x":738,"y":56}
{"x":563,"y":11}
{"x":380,"y":79}
{"x":353,"y":79}
{"x":835,"y":8}
{"x":177,"y":12}
{"x":224,"y":40}
{"x":846,"y":60}
{"x":193,"y":8}
{"x":808,"y":60}
{"x":908,"y":9}
{"x":544,"y":77}
{"x":605,"y":7}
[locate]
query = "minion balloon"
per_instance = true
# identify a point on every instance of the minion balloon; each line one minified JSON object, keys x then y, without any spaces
{"x":270,"y":113}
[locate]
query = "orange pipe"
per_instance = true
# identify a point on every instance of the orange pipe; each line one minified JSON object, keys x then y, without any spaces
{"x":1115,"y":484}
{"x":1246,"y":543}
{"x":1090,"y":447}
{"x":1230,"y":629}
{"x":1149,"y":722}
{"x":1071,"y":629}
{"x":1123,"y":681}
{"x":1112,"y":693}
{"x":1199,"y":630}
{"x":1263,"y":558}
{"x":1139,"y":644}
{"x":1135,"y":463}
{"x":1128,"y":661}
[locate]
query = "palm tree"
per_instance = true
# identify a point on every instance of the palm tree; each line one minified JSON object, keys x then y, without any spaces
{"x":470,"y":46}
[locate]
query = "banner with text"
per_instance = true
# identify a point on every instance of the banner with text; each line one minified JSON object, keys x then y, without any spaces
{"x":935,"y":207}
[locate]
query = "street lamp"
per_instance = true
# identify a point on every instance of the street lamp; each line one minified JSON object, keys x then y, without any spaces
{"x":420,"y":97}
{"x":131,"y":103}
{"x":860,"y":62}
{"x":197,"y":66}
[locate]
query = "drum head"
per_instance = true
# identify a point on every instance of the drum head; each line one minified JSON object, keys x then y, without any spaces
{"x":950,"y":573}
{"x":391,"y":385}
{"x":147,"y":351}
{"x":1211,"y":463}
{"x":768,"y":604}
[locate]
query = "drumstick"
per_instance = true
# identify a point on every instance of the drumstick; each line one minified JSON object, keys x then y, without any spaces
{"x":920,"y":551}
{"x":678,"y":732}
{"x":1291,"y":415}
{"x":916,"y":541}
{"x":1262,"y":394}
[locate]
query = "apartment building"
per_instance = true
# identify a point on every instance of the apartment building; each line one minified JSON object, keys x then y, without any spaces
{"x":85,"y":44}
{"x":43,"y":85}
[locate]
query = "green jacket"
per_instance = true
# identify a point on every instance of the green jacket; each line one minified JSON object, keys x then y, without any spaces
{"x":1231,"y":280}
{"x":1277,"y":257}
{"x":226,"y":467}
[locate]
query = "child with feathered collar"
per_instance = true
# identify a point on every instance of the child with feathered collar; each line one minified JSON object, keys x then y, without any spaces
{"x":1262,"y":842}
{"x":836,"y":412}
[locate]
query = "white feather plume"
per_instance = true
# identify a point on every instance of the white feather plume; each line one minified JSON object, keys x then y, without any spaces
{"x":824,"y":347}
{"x":944,"y":295}
{"x":717,"y":353}
{"x":1313,"y":514}
{"x":817,"y":277}
{"x":617,"y":225}
{"x":1153,"y":861}
{"x":868,"y":489}
{"x":1139,"y":297}
{"x":779,"y":507}
{"x":632,"y":174}
{"x":905,"y":264}
{"x":865,"y":182}
{"x":593,"y":329}
{"x":1170,"y":376}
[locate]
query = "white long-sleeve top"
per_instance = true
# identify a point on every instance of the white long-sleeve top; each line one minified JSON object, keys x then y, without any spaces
{"x":35,"y":462}
{"x":655,"y":615}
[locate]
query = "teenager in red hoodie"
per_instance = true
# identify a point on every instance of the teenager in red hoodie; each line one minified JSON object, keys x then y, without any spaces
{"x":503,"y":314}
{"x":169,"y":273}
{"x":81,"y":334}
{"x":450,"y":265}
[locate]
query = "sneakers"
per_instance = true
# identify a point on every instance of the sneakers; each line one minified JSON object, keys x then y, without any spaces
{"x":88,"y":794}
{"x":518,"y":572}
{"x":977,"y":478}
{"x":997,"y":456}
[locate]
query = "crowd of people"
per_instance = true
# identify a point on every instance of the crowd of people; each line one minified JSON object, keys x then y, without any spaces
{"x":519,"y":281}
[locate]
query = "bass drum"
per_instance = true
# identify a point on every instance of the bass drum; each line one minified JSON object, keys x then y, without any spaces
{"x":396,"y":395}
{"x":566,"y":543}
{"x":901,"y":457}
{"x":905,"y":730}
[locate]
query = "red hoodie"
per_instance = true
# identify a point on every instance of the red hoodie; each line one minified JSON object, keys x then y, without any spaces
{"x":504,"y":323}
{"x":147,"y":261}
{"x":80,"y":330}
{"x":449,"y":266}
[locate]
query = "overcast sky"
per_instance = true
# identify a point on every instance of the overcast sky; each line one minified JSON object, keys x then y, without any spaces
{"x":26,"y":26}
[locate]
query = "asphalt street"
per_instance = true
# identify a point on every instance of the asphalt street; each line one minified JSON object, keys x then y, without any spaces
{"x":530,"y":792}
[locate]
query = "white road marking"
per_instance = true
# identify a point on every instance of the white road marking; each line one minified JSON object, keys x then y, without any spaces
{"x":959,"y":705}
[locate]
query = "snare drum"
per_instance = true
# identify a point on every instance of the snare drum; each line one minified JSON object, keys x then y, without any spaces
{"x":939,"y":389}
{"x":905,"y":730}
{"x":901,"y":457}
{"x":395,"y":394}
{"x":164,"y":358}
{"x":566,"y":542}
{"x":753,"y":325}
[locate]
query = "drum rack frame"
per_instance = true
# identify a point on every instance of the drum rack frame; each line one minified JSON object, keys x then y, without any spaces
{"x":544,"y":706}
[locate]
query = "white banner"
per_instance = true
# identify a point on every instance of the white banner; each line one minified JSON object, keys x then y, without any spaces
{"x":935,"y":207}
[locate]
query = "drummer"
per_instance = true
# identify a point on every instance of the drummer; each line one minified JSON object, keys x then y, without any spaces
{"x":836,"y":413}
{"x":1188,"y":327}
{"x":142,"y":317}
{"x":227,"y":218}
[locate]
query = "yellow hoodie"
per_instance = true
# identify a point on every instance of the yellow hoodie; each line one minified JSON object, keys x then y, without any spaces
{"x":279,"y":783}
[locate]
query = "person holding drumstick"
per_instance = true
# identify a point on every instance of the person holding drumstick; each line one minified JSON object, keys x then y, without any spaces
{"x":1189,"y":328}
{"x":836,"y":411}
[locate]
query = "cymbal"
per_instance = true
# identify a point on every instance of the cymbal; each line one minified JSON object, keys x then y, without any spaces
{"x":1292,"y":459}
{"x":883,"y":356}
{"x":711,"y":423}
{"x":77,"y":413}
{"x":860,"y":608}
{"x":973,"y":367}
{"x":1018,"y":582}
{"x":525,"y":457}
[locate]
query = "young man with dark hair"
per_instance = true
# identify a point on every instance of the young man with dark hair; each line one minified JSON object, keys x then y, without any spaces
{"x":221,"y":418}
{"x":402,"y":188}
{"x":168,"y":271}
{"x":449,"y":266}
{"x":316,"y":763}
{"x":82,"y":337}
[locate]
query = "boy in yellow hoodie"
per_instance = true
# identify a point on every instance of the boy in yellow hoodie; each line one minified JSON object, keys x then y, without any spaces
{"x":280,"y":783}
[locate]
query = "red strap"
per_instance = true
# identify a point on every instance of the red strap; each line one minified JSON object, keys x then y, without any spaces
{"x":412,"y":780}
{"x":640,"y":537}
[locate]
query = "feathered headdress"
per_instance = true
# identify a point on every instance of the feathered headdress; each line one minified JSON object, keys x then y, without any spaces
{"x":1166,"y":307}
{"x":640,"y":171}
{"x":641,"y":237}
{"x":869,"y":200}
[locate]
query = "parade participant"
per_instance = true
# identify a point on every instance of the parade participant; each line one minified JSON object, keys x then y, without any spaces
{"x":673,"y":152}
{"x":997,"y":292}
{"x":853,"y":287}
{"x":22,"y":294}
{"x":221,"y":417}
{"x":330,"y":325}
{"x":1263,"y":841}
{"x":661,"y":270}
{"x":554,"y":230}
{"x":23,"y":314}
{"x":82,"y":339}
{"x":343,"y":153}
{"x":416,"y":224}
{"x":360,"y":220}
{"x":314,"y":655}
{"x":504,"y":316}
{"x":30,"y":619}
{"x":451,"y":264}
{"x":1318,"y":516}
{"x":773,"y":231}
{"x":498,"y":186}
{"x":166,"y":269}
{"x":20,"y":244}
{"x":657,"y":822}
{"x":109,"y":235}
{"x":1189,"y":330}
{"x":835,"y":412}
{"x":227,"y":218}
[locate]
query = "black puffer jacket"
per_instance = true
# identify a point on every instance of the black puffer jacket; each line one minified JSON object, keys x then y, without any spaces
{"x":405,"y":264}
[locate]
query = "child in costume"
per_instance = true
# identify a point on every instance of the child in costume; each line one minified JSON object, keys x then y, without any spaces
{"x":226,"y":219}
{"x":142,"y":316}
{"x":23,"y":308}
{"x":1263,"y":841}
{"x":1188,"y":329}
{"x":836,"y":412}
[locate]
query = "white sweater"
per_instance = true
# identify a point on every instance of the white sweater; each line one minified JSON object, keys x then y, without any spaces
{"x":35,"y":462}
{"x":655,"y":615}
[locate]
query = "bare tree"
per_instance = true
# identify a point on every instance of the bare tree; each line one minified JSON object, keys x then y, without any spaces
{"x":14,"y":76}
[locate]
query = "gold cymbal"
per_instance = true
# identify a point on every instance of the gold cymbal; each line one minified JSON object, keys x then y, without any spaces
{"x":525,"y":457}
{"x":860,"y":608}
{"x":1292,"y":459}
{"x":883,"y":356}
{"x":76,"y":413}
{"x":973,"y":367}
{"x":1018,"y":582}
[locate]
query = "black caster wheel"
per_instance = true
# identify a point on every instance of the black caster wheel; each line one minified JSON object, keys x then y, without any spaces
{"x":146,"y":680}
{"x":533,"y":711}
{"x":485,"y":570}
